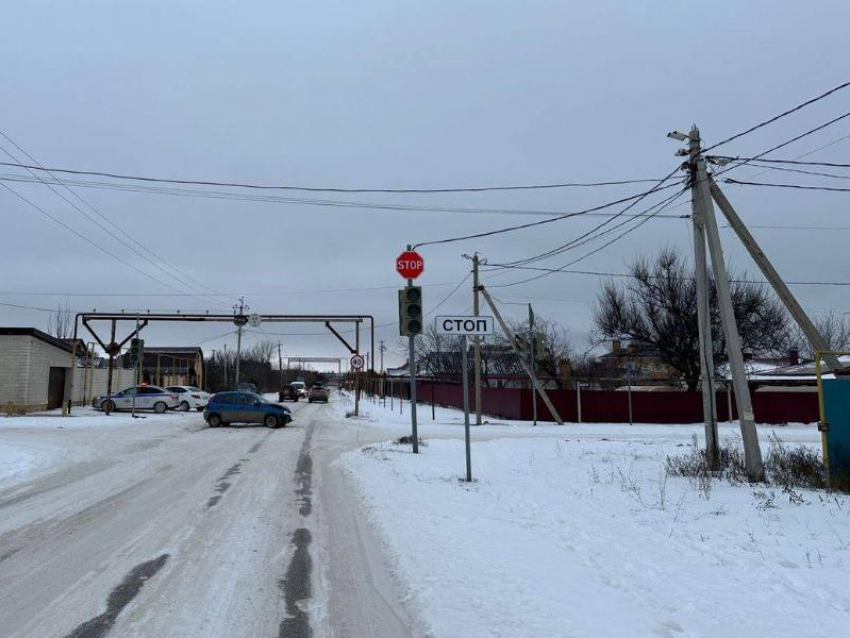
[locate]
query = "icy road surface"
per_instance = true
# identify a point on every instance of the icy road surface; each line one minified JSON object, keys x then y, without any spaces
{"x":164,"y":527}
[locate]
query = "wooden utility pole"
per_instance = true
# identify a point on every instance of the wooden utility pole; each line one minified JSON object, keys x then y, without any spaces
{"x":512,"y":339}
{"x":476,"y":341}
{"x":706,"y":348}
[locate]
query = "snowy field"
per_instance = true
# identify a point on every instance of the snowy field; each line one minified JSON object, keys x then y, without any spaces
{"x":577,"y":531}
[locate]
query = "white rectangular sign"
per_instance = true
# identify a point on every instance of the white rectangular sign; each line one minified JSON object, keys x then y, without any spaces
{"x":469,"y":326}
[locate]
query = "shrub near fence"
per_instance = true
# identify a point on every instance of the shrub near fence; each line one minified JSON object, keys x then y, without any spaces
{"x":608,"y":406}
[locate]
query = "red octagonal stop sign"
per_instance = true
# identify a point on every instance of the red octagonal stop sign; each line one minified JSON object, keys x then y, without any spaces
{"x":409,"y":264}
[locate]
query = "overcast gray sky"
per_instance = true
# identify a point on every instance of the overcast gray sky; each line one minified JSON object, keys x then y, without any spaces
{"x":397,"y":94}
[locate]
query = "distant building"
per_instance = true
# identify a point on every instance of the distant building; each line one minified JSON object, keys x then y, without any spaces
{"x":179,"y":365}
{"x":640,"y":362}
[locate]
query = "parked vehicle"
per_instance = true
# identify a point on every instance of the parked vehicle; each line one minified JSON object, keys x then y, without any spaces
{"x":288,"y":393}
{"x":190,"y":397}
{"x":318,"y":393}
{"x":247,"y":387}
{"x":225,"y":408}
{"x":148,"y":397}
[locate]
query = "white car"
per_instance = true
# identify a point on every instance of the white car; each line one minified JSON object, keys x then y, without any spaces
{"x":147,"y":397}
{"x":190,"y":397}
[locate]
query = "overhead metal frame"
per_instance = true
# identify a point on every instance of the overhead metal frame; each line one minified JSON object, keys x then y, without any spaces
{"x":146,"y":318}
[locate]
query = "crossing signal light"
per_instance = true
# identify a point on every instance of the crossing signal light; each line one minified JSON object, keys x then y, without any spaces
{"x":137,"y":349}
{"x":410,"y":310}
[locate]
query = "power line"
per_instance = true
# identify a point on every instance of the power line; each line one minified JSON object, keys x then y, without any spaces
{"x":665,"y":203}
{"x":800,"y":171}
{"x":95,"y":210}
{"x":780,"y":116}
{"x":332,"y":203}
{"x":327,"y":189}
{"x":781,"y":161}
{"x":588,"y":236}
{"x":91,"y":219}
{"x":86,"y":239}
{"x":622,"y":275}
{"x":180,"y":294}
{"x":509,"y":229}
{"x":833,"y":189}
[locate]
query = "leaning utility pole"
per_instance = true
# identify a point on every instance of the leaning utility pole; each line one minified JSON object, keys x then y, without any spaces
{"x":512,"y":339}
{"x":476,"y":341}
{"x":706,"y":349}
{"x":749,"y":435}
{"x":782,"y":291}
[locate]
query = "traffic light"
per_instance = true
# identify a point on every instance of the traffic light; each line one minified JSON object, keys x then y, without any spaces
{"x":410,"y":310}
{"x":137,"y":350}
{"x":521,"y":343}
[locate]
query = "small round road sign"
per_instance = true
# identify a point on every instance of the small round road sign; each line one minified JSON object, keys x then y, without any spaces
{"x":255,"y":320}
{"x":357,"y":362}
{"x":409,"y":264}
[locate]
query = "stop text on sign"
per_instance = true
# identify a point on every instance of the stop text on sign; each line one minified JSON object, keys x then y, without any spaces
{"x":469,"y":326}
{"x":409,"y":264}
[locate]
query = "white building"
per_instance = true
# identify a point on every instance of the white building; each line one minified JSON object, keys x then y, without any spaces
{"x":35,"y":372}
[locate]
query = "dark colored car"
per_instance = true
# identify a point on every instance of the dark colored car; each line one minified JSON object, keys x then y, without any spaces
{"x":245,"y":407}
{"x":289,"y":393}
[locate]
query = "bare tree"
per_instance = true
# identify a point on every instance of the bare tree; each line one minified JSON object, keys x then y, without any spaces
{"x":657,"y":308}
{"x":60,"y":323}
{"x":833,"y":327}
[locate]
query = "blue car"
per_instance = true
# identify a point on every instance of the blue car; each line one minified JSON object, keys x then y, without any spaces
{"x":225,"y":408}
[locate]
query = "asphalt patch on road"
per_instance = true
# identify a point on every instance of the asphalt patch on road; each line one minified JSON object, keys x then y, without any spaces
{"x":223,"y":483}
{"x":297,"y":588}
{"x":304,"y":476}
{"x":121,"y":596}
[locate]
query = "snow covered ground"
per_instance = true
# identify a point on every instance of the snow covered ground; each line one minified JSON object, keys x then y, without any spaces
{"x":37,"y":444}
{"x":577,"y":531}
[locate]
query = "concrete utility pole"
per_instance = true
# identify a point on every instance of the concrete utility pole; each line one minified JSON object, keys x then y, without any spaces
{"x":749,"y":435}
{"x":381,"y":350}
{"x":280,"y":363}
{"x":706,"y":349}
{"x":357,"y":372}
{"x":512,"y":339}
{"x":239,"y":325}
{"x":476,"y":341}
{"x":769,"y":272}
{"x":225,"y":365}
{"x":531,"y":360}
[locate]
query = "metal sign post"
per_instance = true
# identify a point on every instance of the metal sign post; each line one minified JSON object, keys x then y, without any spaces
{"x":464,"y":327}
{"x":465,"y":381}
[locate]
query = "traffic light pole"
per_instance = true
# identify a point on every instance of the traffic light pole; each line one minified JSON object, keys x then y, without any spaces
{"x":413,"y":425}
